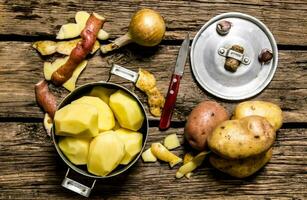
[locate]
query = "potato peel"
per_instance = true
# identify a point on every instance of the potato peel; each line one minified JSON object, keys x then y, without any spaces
{"x":191,"y":165}
{"x":163,"y":154}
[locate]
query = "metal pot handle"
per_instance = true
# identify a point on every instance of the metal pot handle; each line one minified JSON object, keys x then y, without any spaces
{"x":124,"y":73}
{"x":76,"y":186}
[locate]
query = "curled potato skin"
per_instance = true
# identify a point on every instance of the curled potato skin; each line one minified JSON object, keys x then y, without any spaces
{"x":238,"y":139}
{"x":268,"y":110}
{"x":240,"y":168}
{"x":202,"y":121}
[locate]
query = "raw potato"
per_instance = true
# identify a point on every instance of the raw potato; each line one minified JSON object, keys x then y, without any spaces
{"x":133,"y":144}
{"x":45,"y":47}
{"x":202,"y":121}
{"x":48,"y":122}
{"x":238,"y":139}
{"x":75,"y":149}
{"x":171,"y":141}
{"x":191,"y":165}
{"x":105,"y":153}
{"x":106,"y":120}
{"x":148,"y":156}
{"x":126,"y":110}
{"x":80,"y":120}
{"x":102,"y":92}
{"x":240,"y":168}
{"x":70,"y":84}
{"x":268,"y":110}
{"x":165,"y":155}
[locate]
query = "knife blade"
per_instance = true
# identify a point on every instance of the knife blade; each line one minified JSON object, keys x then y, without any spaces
{"x":173,"y":88}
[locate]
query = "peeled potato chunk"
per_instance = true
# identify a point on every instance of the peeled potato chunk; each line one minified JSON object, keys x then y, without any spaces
{"x":171,"y":141}
{"x":106,"y":119}
{"x":133,"y":143}
{"x":79,"y":120}
{"x":117,"y":126}
{"x":75,"y":149}
{"x":148,"y":156}
{"x":126,"y":110}
{"x":102,"y":92}
{"x":105,"y":153}
{"x":165,"y":155}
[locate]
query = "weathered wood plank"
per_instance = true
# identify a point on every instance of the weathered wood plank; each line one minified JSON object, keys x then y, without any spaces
{"x":21,"y":67}
{"x":30,"y":165}
{"x":286,"y":19}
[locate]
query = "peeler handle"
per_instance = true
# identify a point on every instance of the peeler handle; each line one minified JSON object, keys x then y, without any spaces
{"x":77,"y":187}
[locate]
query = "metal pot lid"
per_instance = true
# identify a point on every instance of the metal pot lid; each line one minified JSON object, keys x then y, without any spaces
{"x":211,"y":48}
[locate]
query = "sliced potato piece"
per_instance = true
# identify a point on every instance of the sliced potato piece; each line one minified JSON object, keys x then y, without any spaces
{"x":75,"y":149}
{"x":106,"y":119}
{"x":102,"y":92}
{"x":133,"y":143}
{"x":105,"y":153}
{"x":148,"y":156}
{"x":76,"y":120}
{"x":190,"y":166}
{"x":163,"y":154}
{"x":171,"y":141}
{"x":126,"y":110}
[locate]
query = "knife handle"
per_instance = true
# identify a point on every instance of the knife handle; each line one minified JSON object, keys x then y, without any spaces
{"x":170,"y":101}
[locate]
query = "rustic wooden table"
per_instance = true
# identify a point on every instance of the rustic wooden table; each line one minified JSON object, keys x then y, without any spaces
{"x":30,"y":167}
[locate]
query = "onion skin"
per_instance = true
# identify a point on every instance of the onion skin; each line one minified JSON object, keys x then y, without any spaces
{"x":147,"y":28}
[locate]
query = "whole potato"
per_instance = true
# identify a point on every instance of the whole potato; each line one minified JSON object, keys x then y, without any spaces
{"x":240,"y":168}
{"x":237,"y":139}
{"x":202,"y":121}
{"x":268,"y":110}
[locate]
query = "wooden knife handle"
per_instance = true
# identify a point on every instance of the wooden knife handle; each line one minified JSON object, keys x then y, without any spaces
{"x":170,"y":101}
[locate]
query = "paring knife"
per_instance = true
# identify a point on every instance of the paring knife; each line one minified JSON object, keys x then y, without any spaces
{"x":170,"y":101}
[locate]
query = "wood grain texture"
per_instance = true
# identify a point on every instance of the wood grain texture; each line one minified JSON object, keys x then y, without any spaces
{"x":286,"y":19}
{"x":21,"y":67}
{"x":31,"y":169}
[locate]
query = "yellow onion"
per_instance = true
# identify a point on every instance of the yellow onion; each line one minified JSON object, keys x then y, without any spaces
{"x":146,"y":28}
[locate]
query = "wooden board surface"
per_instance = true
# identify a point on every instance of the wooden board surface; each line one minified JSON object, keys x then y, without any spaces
{"x":23,"y":69}
{"x":31,"y":166}
{"x":286,"y":19}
